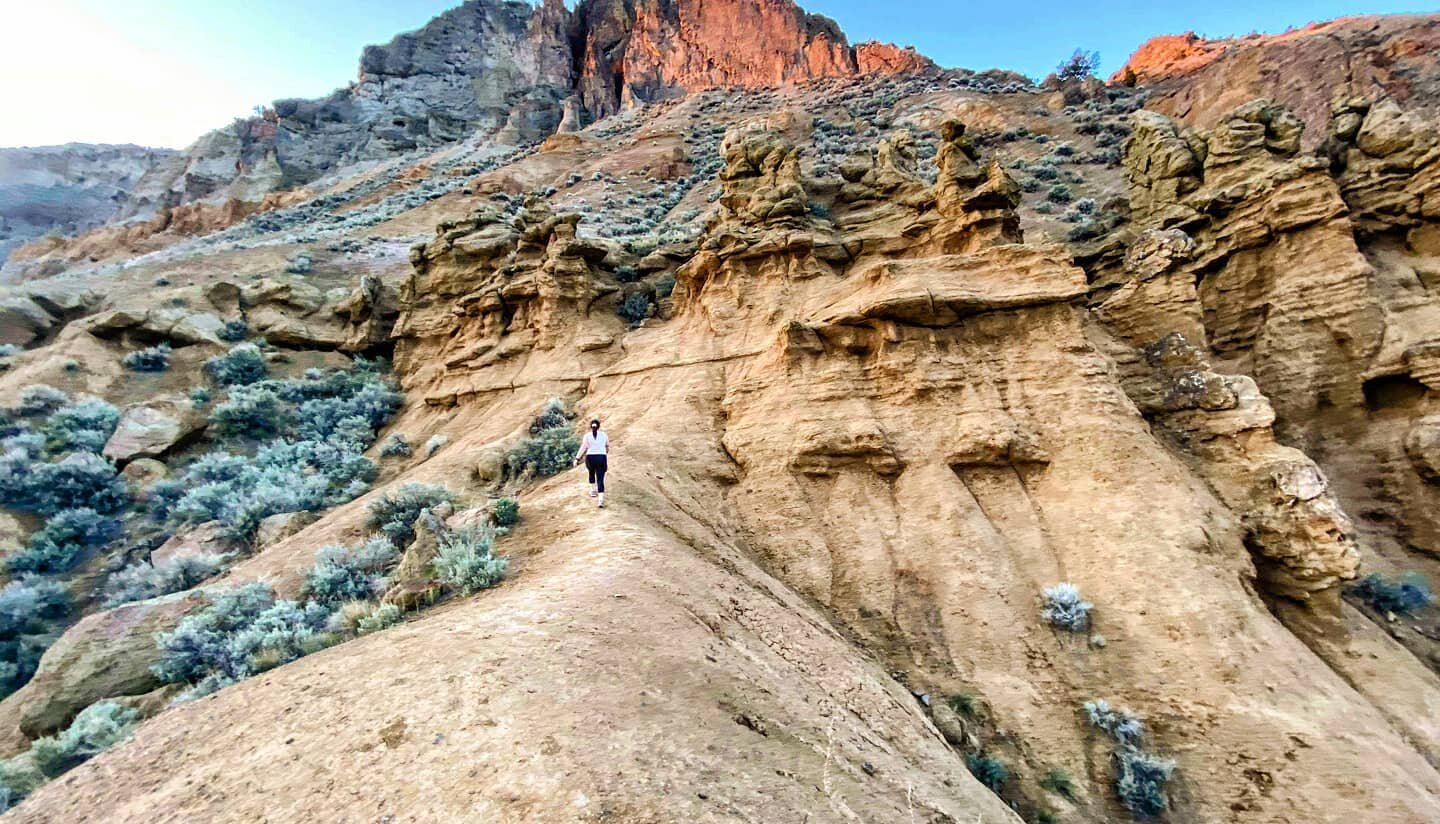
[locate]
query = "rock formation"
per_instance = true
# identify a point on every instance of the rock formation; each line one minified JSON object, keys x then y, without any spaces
{"x":507,"y":69}
{"x":490,"y":288}
{"x":1196,"y":80}
{"x":66,"y":189}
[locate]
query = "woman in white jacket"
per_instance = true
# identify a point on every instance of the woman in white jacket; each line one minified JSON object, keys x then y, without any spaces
{"x":595,"y":450}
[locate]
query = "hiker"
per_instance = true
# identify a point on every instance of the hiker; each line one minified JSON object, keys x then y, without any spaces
{"x":594,"y":449}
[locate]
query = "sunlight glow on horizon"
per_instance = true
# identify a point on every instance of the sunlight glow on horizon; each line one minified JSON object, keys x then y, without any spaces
{"x":100,"y":87}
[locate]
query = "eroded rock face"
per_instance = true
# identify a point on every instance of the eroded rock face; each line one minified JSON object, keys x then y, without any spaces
{"x":66,"y":189}
{"x":920,"y":430}
{"x":290,"y":311}
{"x":669,"y":48}
{"x":1387,"y":162}
{"x":1197,"y":79}
{"x":512,"y":71}
{"x":1301,"y":282}
{"x":492,"y":288}
{"x":871,"y":423}
{"x":1305,"y":272}
{"x":1301,"y":539}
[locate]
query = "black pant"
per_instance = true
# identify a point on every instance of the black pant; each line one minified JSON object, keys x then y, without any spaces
{"x":596,"y":465}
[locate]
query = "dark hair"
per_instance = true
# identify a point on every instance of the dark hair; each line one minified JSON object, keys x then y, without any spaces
{"x":594,"y":421}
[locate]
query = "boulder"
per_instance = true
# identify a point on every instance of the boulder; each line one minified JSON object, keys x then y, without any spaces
{"x":281,"y":526}
{"x":205,"y":539}
{"x":1422,"y":445}
{"x":144,"y":472}
{"x":153,"y":429}
{"x":23,"y":321}
{"x":12,"y":532}
{"x":107,"y":654}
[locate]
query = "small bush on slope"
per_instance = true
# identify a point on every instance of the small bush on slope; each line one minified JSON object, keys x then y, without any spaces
{"x":141,"y":581}
{"x":1122,"y":725}
{"x":350,"y":574}
{"x":382,"y":617}
{"x":153,"y":359}
{"x":549,"y":449}
{"x":464,"y":560}
{"x":18,"y":455}
{"x":40,"y":399}
{"x":30,"y":609}
{"x":394,"y":514}
{"x":82,"y":426}
{"x":1058,"y":781}
{"x":1140,"y":776}
{"x":1063,"y":608}
{"x":243,"y":364}
{"x":396,"y":446}
{"x":635,"y":308}
{"x":80,"y":480}
{"x":253,"y":412}
{"x":505,"y":511}
{"x":234,"y":331}
{"x":1140,"y":779}
{"x":553,"y":416}
{"x":97,"y":728}
{"x":1402,"y":597}
{"x":68,"y":533}
{"x":989,"y":771}
{"x":244,"y":631}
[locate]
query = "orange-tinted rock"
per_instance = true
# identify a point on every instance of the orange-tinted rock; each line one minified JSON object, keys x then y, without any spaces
{"x":1167,"y":56}
{"x":165,"y":227}
{"x":661,"y":50}
{"x":1196,"y":79}
{"x":873,"y":57}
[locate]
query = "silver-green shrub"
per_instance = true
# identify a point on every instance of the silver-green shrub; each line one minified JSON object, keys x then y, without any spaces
{"x":464,"y":559}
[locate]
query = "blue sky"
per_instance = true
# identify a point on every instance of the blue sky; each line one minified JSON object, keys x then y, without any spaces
{"x":161,"y":72}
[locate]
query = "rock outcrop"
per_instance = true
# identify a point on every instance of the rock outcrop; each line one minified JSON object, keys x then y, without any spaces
{"x":66,"y":189}
{"x":873,"y":57}
{"x":1307,"y":282}
{"x":650,"y":50}
{"x":510,"y":70}
{"x":491,"y":288}
{"x":1196,"y":80}
{"x":152,"y":429}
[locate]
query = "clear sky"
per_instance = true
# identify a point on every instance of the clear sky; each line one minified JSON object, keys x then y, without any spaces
{"x":162,"y":72}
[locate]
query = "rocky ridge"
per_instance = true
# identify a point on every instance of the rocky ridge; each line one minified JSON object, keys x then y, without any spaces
{"x":1195,"y":80}
{"x":514,"y":72}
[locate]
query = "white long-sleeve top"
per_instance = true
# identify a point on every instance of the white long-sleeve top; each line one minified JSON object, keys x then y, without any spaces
{"x":595,"y":443}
